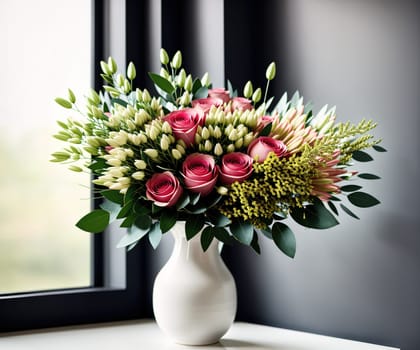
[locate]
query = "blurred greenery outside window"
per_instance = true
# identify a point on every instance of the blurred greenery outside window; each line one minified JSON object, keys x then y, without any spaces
{"x":46,"y":47}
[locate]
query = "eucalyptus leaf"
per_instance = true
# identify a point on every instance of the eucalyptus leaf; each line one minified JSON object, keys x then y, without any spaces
{"x":333,"y":207}
{"x":284,"y":239}
{"x":112,"y":208}
{"x":348,"y":211}
{"x":314,"y":216}
{"x":202,"y":92}
{"x":379,"y":148}
{"x":350,"y":188}
{"x":218,"y":219}
{"x":155,"y":235}
{"x":267,"y":232}
{"x":196,"y":86}
{"x":183,"y":201}
{"x":361,"y":156}
{"x":367,"y":176}
{"x":222,"y":235}
{"x":133,"y":235}
{"x":254,"y":243}
{"x":96,"y":221}
{"x":362,"y":199}
{"x":242,"y":231}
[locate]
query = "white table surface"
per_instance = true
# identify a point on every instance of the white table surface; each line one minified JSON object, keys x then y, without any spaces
{"x":145,"y":334}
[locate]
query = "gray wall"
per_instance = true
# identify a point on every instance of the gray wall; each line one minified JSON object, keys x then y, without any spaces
{"x":361,"y":279}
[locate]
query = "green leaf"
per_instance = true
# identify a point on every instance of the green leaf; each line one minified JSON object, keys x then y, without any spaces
{"x":206,"y":237}
{"x":193,"y":225}
{"x":167,"y":220}
{"x":194,"y":198}
{"x":128,"y":221}
{"x":196,"y":86}
{"x":155,"y":235}
{"x":350,"y":188}
{"x":218,"y":219}
{"x":314,"y":216}
{"x":242,"y":231}
{"x":140,"y":208}
{"x":361,"y":156}
{"x":98,"y":164}
{"x":362,"y":199}
{"x":119,"y":101}
{"x":113,"y":196}
{"x":112,"y":208}
{"x":267,"y":232}
{"x":162,"y":83}
{"x":379,"y":148}
{"x":284,"y":239}
{"x":333,"y":207}
{"x":367,"y":176}
{"x":133,"y":235}
{"x":254,"y":243}
{"x":63,"y":102}
{"x":183,"y":201}
{"x":266,"y":130}
{"x":202,"y":92}
{"x":125,"y":210}
{"x":222,"y":235}
{"x":96,"y":221}
{"x":143,"y":222}
{"x":348,"y":211}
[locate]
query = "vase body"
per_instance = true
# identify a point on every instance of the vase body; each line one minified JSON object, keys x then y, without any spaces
{"x":194,"y":294}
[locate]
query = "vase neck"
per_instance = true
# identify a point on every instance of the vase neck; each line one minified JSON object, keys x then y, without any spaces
{"x":191,"y":249}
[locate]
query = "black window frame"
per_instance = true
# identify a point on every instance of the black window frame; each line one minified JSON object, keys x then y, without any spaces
{"x":101,"y":302}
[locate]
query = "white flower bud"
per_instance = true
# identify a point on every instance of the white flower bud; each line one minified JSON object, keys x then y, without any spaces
{"x":185,"y":99}
{"x":208,"y":145}
{"x":188,"y":83}
{"x":163,"y":55}
{"x":140,"y":164}
{"x":239,"y":143}
{"x":166,"y":128}
{"x":176,"y":154}
{"x":152,"y":153}
{"x":230,"y":148}
{"x":218,"y":149}
{"x":164,"y":143}
{"x":177,"y":60}
{"x":205,"y":133}
{"x":222,"y":190}
{"x":180,"y":80}
{"x":138,"y":175}
{"x":114,"y":162}
{"x":217,"y":133}
{"x":146,"y":96}
{"x":205,"y":80}
{"x":180,"y":149}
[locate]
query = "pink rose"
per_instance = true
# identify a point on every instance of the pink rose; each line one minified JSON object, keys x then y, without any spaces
{"x":184,"y":123}
{"x":241,"y":103}
{"x":200,"y":173}
{"x":263,"y":122}
{"x":220,"y":93}
{"x":163,"y":189}
{"x":236,"y":166}
{"x":204,"y":104}
{"x":262,"y":146}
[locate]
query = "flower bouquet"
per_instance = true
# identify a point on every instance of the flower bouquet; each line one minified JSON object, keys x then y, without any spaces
{"x":231,"y":167}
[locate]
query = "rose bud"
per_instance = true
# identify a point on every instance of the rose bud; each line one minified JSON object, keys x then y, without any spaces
{"x":241,"y":103}
{"x":235,"y":166}
{"x":262,"y":146}
{"x":200,"y":173}
{"x":220,"y":93}
{"x":204,"y":104}
{"x":163,"y":189}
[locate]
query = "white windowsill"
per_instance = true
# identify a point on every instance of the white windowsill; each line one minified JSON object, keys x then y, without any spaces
{"x":144,"y":334}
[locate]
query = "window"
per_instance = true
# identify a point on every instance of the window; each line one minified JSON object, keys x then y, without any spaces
{"x":114,"y":290}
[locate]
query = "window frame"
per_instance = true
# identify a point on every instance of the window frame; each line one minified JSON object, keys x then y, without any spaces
{"x":103,"y":301}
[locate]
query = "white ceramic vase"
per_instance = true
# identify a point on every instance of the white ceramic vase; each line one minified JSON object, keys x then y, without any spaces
{"x":194,"y":295}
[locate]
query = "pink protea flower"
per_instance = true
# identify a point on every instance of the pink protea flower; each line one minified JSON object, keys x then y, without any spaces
{"x":325,"y":182}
